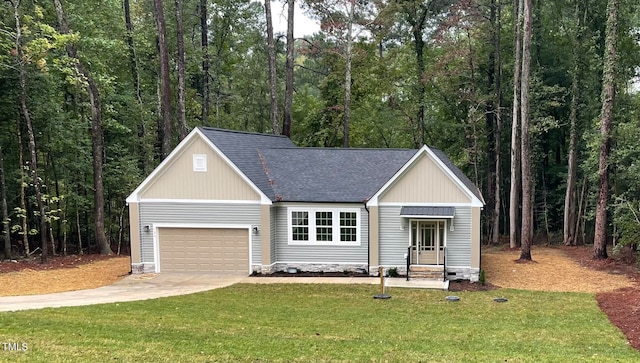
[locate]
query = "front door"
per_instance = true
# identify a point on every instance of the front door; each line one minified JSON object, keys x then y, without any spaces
{"x":427,"y":242}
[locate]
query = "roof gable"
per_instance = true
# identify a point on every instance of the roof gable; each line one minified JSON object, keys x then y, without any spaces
{"x":196,"y":133}
{"x":459,"y":186}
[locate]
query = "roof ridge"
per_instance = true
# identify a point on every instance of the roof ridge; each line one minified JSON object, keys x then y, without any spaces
{"x":208,"y":128}
{"x":345,"y":149}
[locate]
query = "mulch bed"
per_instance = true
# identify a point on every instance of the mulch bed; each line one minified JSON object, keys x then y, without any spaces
{"x":53,"y":262}
{"x":61,"y":273}
{"x":466,"y":285}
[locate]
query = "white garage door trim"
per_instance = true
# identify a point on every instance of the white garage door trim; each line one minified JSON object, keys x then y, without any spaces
{"x":156,"y":235}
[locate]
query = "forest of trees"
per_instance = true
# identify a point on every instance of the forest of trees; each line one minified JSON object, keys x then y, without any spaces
{"x":537,"y":101}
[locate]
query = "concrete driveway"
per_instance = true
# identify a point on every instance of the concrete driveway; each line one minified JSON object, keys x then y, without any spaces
{"x":152,"y":286}
{"x":131,"y":288}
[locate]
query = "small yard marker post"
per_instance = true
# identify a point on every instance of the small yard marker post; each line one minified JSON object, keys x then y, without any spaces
{"x":382,"y":294}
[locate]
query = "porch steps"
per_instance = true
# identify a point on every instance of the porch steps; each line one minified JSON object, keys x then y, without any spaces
{"x":426,"y":272}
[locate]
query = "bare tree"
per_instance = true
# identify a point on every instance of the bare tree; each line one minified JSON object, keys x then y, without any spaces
{"x":271,"y":50}
{"x":514,"y":194}
{"x":527,"y":220}
{"x":608,"y":93}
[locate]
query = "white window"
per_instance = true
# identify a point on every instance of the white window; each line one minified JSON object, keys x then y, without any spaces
{"x":199,"y":162}
{"x":322,"y":226}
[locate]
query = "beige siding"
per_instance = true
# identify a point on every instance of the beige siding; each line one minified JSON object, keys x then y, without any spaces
{"x":134,"y":228}
{"x":177,"y":180}
{"x":265,"y":232}
{"x":208,"y":250}
{"x":425,"y":182}
{"x":475,"y":237}
{"x":373,"y":236}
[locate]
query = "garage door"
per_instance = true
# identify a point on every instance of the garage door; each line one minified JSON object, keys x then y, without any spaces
{"x":209,"y":250}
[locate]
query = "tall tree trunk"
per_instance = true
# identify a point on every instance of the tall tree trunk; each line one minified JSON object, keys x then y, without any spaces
{"x":23,"y":202}
{"x":347,"y":76}
{"x":514,"y":194}
{"x":6,"y":237}
{"x":490,"y":123}
{"x":417,"y":28}
{"x":145,"y":153}
{"x":273,"y":80}
{"x":165,"y":81}
{"x":498,"y":130}
{"x":527,"y":196}
{"x":288,"y":92}
{"x":569,"y":220}
{"x":608,"y":93}
{"x":204,"y":45}
{"x":97,"y":135}
{"x":182,"y":111}
{"x":24,"y":109}
{"x":570,"y":191}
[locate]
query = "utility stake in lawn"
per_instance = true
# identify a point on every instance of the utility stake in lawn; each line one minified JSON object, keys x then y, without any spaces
{"x":382,"y":294}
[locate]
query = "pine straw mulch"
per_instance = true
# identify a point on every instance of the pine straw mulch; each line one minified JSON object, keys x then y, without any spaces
{"x":59,"y":274}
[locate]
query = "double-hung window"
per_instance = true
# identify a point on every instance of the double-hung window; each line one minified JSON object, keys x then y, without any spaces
{"x":322,"y":226}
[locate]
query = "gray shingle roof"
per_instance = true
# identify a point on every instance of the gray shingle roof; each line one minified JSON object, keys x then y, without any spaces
{"x":242,"y":149}
{"x":331,"y":175}
{"x":284,"y":172}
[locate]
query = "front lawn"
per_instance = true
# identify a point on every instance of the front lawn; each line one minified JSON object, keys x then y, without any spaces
{"x":315,"y":323}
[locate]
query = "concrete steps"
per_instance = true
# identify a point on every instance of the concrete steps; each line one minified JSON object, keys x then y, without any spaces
{"x":426,"y":272}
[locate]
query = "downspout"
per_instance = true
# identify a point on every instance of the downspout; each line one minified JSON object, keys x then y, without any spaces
{"x":130,"y":258}
{"x":368,"y":238}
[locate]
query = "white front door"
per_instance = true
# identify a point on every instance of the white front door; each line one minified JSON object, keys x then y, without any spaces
{"x":427,"y":242}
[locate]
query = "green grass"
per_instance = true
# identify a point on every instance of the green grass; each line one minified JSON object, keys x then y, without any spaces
{"x":315,"y":323}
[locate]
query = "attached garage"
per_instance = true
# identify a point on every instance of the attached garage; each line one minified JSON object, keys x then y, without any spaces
{"x":204,"y":250}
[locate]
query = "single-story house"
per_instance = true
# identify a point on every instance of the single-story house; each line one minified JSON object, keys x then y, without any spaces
{"x":236,"y":202}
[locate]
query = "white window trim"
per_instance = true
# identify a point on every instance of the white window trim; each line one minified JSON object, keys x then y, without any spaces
{"x":312,"y":226}
{"x":200,"y":162}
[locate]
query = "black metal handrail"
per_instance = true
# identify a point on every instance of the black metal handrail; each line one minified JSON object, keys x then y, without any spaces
{"x":408,"y":260}
{"x":444,"y":264}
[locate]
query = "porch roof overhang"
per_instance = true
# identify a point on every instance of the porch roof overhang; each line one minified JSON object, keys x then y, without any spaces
{"x":427,"y":212}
